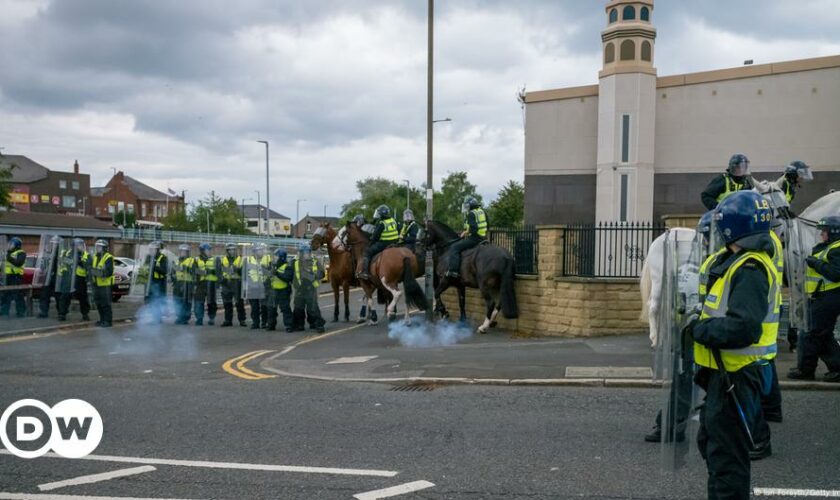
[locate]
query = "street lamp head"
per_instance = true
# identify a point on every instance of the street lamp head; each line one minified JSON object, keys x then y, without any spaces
{"x":263,"y":142}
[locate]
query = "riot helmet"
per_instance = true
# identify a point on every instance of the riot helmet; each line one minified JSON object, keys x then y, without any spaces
{"x":259,"y":249}
{"x":204,"y":249}
{"x":743,"y":214}
{"x":359,"y":220}
{"x":78,"y":244}
{"x":382,"y":212}
{"x":100,"y":246}
{"x":280,"y":256}
{"x":831,"y":225}
{"x":304,"y":252}
{"x":408,"y":215}
{"x":183,"y":250}
{"x":797,"y":170}
{"x":15,"y":244}
{"x":470,"y":203}
{"x":230,"y":250}
{"x":739,"y":165}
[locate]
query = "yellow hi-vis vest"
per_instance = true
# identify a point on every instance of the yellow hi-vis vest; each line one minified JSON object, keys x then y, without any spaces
{"x":703,"y":273}
{"x":99,"y":263}
{"x":717,"y":304}
{"x":228,"y":268}
{"x":182,"y":271}
{"x":81,"y":267}
{"x":257,"y":268}
{"x":731,"y":187}
{"x":207,"y":268}
{"x":316,"y":282}
{"x":390,"y":232}
{"x":157,"y":275}
{"x":277,"y":283}
{"x":11,"y":269}
{"x":816,"y":282}
{"x":64,"y":268}
{"x":405,"y":229}
{"x":480,"y":221}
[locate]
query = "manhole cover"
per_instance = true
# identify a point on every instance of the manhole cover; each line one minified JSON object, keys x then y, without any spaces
{"x":414,"y":387}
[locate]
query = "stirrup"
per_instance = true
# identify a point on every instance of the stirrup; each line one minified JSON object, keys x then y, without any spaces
{"x":452,"y":274}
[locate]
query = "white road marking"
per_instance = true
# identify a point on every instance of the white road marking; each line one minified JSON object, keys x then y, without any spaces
{"x":228,"y":465}
{"x":787,"y":492}
{"x":52,"y":496}
{"x":351,"y":359}
{"x":394,"y":490}
{"x":95,"y":478}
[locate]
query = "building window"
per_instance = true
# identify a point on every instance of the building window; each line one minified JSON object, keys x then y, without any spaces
{"x":646,"y":51}
{"x":613,"y":16}
{"x":75,"y":185}
{"x":628,"y":50}
{"x":131,"y":208}
{"x":308,"y":226}
{"x":143,"y":209}
{"x":629,"y":13}
{"x":68,"y":201}
{"x":609,"y":53}
{"x":252,"y":223}
{"x":111,"y":209}
{"x":625,"y":138}
{"x":623,"y":206}
{"x":62,"y":184}
{"x":644,"y":14}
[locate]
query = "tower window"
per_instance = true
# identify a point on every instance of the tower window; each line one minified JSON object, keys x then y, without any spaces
{"x":623,"y":205}
{"x":628,"y":50}
{"x":609,"y":53}
{"x":644,"y":14}
{"x":646,"y":51}
{"x":629,"y":13}
{"x":613,"y":16}
{"x":625,"y":138}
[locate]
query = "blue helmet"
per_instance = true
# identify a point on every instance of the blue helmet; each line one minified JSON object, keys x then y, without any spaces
{"x":204,"y":247}
{"x":739,"y":165}
{"x":280,"y":254}
{"x":742,"y":214}
{"x":705,"y":224}
{"x":304,"y":249}
{"x":15,"y":243}
{"x":831,"y":224}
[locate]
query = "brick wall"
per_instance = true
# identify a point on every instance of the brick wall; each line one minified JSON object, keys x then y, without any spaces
{"x":555,"y":306}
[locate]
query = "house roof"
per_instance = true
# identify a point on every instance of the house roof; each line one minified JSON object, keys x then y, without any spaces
{"x":332,"y":220}
{"x":144,"y":191}
{"x":25,"y":170}
{"x":65,"y":225}
{"x":252,"y":213}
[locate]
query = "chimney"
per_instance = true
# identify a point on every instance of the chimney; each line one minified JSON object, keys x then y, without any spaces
{"x":76,"y":167}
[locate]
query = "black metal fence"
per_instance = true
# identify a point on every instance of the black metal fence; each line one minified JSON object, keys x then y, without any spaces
{"x":607,"y":250}
{"x":523,"y":243}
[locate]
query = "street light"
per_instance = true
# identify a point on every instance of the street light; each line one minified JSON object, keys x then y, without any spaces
{"x":259,"y":215}
{"x":267,"y":210}
{"x":443,"y":120}
{"x":407,"y":194}
{"x":297,"y":217}
{"x":325,"y":211}
{"x":430,"y":315}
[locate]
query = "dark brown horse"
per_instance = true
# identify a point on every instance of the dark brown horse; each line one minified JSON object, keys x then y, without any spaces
{"x":341,"y":265}
{"x":389,"y":268}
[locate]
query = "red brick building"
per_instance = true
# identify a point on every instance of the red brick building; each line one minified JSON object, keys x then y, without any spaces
{"x":124,"y":193}
{"x":36,"y":188}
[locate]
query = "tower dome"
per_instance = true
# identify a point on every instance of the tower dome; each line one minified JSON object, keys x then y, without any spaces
{"x":628,"y":40}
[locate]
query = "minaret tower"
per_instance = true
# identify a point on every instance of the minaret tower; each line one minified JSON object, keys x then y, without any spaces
{"x":626,"y":113}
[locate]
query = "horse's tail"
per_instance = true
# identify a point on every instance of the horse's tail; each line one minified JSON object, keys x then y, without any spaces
{"x":507,"y":296}
{"x":644,"y":287}
{"x":414,"y":294}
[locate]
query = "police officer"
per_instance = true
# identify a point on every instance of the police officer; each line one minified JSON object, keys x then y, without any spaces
{"x":83,"y":259}
{"x":384,"y":234}
{"x":409,"y":230}
{"x":795,"y":172}
{"x":67,"y":271}
{"x":102,"y":271}
{"x":735,"y":332}
{"x":182,"y":287}
{"x":307,"y":276}
{"x":822,"y":283}
{"x":475,"y":232}
{"x":736,"y":178}
{"x":282,"y":276}
{"x":256,"y":279}
{"x":230,"y":268}
{"x":159,"y":273}
{"x":15,"y":260}
{"x":204,"y":270}
{"x":48,"y":290}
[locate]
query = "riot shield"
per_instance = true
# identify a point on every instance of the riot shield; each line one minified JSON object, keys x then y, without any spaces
{"x":182,"y":276}
{"x":4,"y":248}
{"x":254,"y":275}
{"x":45,"y":263}
{"x":68,"y":259}
{"x":141,"y":277}
{"x":674,"y":366}
{"x":796,"y":251}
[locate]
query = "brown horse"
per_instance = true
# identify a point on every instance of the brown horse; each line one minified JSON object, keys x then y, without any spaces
{"x":341,"y":265}
{"x":392,"y":266}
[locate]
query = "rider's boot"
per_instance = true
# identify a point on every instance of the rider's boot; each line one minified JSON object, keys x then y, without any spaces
{"x":363,"y":274}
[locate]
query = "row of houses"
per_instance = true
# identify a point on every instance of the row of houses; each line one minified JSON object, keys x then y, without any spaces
{"x":36,"y":189}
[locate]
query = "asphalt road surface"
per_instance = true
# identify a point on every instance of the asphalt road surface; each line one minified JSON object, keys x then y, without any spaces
{"x":188,"y":414}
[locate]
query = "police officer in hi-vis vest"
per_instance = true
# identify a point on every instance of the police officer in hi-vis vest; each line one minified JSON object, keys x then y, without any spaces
{"x":736,"y":178}
{"x":384,"y":234}
{"x":204,"y":270}
{"x":475,"y":232}
{"x":15,"y":260}
{"x":102,"y":276}
{"x":230,"y":269}
{"x":281,"y":288}
{"x":734,"y":336}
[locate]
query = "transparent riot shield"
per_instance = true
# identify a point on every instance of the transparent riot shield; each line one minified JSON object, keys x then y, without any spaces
{"x":254,"y":274}
{"x":182,"y":276}
{"x":68,"y":260}
{"x":4,"y":248}
{"x":674,"y":365}
{"x":141,"y":277}
{"x":796,"y":251}
{"x":45,"y":263}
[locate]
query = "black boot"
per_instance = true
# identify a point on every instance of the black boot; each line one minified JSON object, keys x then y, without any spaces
{"x":363,"y":274}
{"x":762,"y":450}
{"x":797,"y":374}
{"x":832,"y":377}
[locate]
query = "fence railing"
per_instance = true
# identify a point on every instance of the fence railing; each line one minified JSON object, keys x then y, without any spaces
{"x":607,"y":250}
{"x":523,"y":243}
{"x":149,"y":234}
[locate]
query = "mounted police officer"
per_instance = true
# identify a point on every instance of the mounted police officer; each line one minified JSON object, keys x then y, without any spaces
{"x":15,"y":260}
{"x":736,"y":178}
{"x":384,"y":234}
{"x":183,"y":285}
{"x":307,"y":275}
{"x":204,"y":270}
{"x":282,"y":276}
{"x":795,"y":172}
{"x":230,"y":268}
{"x":475,"y":233}
{"x":409,"y":230}
{"x":734,"y":336}
{"x":822,"y":283}
{"x":102,"y":271}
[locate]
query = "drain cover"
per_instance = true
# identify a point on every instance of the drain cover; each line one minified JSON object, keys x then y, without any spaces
{"x":414,"y":387}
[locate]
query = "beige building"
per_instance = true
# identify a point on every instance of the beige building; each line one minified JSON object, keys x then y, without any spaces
{"x":638,"y":146}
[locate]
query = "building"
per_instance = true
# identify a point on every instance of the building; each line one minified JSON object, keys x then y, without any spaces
{"x":254,"y":216}
{"x":308,"y":224}
{"x":126,"y":194}
{"x":638,"y":146}
{"x":36,"y":188}
{"x":29,"y":226}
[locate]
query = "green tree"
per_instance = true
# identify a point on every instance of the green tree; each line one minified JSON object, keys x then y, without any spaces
{"x":224,"y":216}
{"x":447,"y":202}
{"x":125,"y":219}
{"x":178,"y":220}
{"x":508,"y":209}
{"x":375,"y":191}
{"x":5,"y":187}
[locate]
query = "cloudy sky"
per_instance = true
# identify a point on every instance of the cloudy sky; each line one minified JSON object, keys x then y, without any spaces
{"x":176,"y":92}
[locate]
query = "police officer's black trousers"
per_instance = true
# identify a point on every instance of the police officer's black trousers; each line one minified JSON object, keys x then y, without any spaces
{"x":232,"y":294}
{"x":374,"y":249}
{"x":256,"y":311}
{"x":819,"y":342}
{"x":205,"y":293}
{"x":183,"y":293}
{"x":282,"y":299}
{"x":458,"y":248}
{"x":16,"y":296}
{"x":102,"y":299}
{"x":306,"y":307}
{"x":722,"y":440}
{"x":80,"y":293}
{"x":771,"y":394}
{"x":47,"y":293}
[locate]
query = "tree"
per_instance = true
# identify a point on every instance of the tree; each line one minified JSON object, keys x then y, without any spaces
{"x":508,"y":209}
{"x":178,"y":220}
{"x":223,"y":216}
{"x":454,"y":188}
{"x":124,"y":219}
{"x":375,"y":191}
{"x":6,"y":187}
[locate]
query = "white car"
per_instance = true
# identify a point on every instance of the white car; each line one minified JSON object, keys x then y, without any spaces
{"x":125,"y":264}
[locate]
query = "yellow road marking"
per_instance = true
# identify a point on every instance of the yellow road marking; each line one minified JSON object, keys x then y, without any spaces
{"x":240,"y":365}
{"x":240,"y":361}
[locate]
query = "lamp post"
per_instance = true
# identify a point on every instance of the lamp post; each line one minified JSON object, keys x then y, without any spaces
{"x":430,"y":314}
{"x":297,"y":217}
{"x":259,"y":215}
{"x":267,"y":204}
{"x":407,"y":194}
{"x":325,"y":211}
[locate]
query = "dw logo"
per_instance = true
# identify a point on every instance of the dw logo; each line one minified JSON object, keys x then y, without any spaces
{"x":72,"y":428}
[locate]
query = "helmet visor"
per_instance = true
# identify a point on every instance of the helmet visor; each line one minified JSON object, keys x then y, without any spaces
{"x":740,"y":169}
{"x":805,"y":173}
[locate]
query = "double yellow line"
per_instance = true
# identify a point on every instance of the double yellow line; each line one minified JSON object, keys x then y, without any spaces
{"x":236,"y":366}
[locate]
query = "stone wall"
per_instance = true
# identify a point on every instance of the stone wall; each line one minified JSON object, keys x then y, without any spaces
{"x":555,"y":306}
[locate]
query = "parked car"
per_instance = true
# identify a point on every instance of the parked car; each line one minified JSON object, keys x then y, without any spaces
{"x":124,"y":263}
{"x":122,"y":280}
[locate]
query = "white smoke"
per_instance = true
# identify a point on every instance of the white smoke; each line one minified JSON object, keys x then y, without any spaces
{"x":150,"y":338}
{"x":422,"y":334}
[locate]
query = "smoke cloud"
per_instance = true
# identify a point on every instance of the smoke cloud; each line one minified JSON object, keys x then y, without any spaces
{"x":423,"y":334}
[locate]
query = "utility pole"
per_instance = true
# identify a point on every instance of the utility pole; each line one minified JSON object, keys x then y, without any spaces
{"x":325,"y":211}
{"x":267,"y":204}
{"x":430,"y":296}
{"x":407,"y":194}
